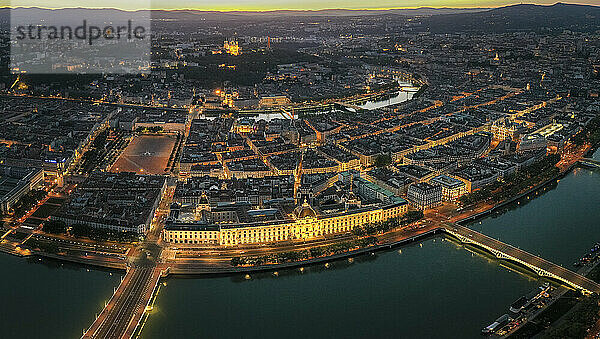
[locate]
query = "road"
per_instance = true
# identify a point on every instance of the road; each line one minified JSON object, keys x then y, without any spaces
{"x":212,"y":258}
{"x":120,"y":317}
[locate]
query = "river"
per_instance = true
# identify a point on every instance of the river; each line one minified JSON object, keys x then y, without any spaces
{"x":559,"y":223}
{"x":396,"y":98}
{"x":432,"y":289}
{"x":49,"y":299}
{"x":435,"y":288}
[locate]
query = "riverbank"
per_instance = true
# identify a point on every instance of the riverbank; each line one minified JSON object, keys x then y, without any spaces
{"x":437,"y":257}
{"x":592,"y":150}
{"x":197,"y":269}
{"x":13,"y":251}
{"x":554,"y":314}
{"x":77,"y":260}
{"x":174,"y":270}
{"x":516,"y":198}
{"x":394,"y":291}
{"x":380,"y":247}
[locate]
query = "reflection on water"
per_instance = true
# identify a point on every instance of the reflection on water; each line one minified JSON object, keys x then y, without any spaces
{"x":382,"y":295}
{"x":49,"y":298}
{"x":435,"y":288}
{"x":396,"y":98}
{"x":400,"y":97}
{"x":558,"y":223}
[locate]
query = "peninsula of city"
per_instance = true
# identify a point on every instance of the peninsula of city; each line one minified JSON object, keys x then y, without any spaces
{"x":282,"y":166}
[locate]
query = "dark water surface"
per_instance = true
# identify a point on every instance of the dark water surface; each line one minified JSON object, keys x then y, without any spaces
{"x":432,"y":289}
{"x":50,"y":300}
{"x":438,"y":290}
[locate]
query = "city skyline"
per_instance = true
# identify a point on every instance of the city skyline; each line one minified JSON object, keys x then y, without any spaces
{"x":285,"y":5}
{"x":325,"y":174}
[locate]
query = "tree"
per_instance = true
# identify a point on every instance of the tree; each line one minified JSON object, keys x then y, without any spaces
{"x":359,"y":231}
{"x":317,"y":252}
{"x":27,"y":202}
{"x":100,"y":140}
{"x":383,"y":160}
{"x":590,"y":133}
{"x":412,"y":216}
{"x":55,"y":226}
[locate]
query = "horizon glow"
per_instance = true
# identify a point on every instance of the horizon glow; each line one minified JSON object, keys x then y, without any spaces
{"x":266,"y":5}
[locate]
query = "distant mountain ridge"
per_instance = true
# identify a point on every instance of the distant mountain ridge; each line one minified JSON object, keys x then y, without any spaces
{"x":190,"y":14}
{"x":519,"y":17}
{"x":333,"y":12}
{"x":435,"y":20}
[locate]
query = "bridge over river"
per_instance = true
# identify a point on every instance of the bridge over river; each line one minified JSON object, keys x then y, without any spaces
{"x":123,"y":313}
{"x":539,"y":265}
{"x":590,"y":162}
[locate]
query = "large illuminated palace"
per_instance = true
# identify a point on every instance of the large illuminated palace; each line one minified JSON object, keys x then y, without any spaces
{"x":305,"y":224}
{"x":259,"y":210}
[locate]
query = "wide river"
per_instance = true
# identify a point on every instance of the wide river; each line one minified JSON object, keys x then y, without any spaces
{"x":435,"y":288}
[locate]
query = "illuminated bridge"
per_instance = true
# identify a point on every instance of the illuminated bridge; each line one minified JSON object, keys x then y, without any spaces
{"x":347,"y":106}
{"x":539,"y":265}
{"x":122,"y":314}
{"x":590,"y":162}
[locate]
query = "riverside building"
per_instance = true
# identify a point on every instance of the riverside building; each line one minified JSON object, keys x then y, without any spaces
{"x":303,"y":224}
{"x":15,"y":182}
{"x":423,"y":195}
{"x":452,"y":188}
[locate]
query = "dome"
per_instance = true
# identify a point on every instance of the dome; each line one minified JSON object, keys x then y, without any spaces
{"x":203,"y":199}
{"x":305,"y":211}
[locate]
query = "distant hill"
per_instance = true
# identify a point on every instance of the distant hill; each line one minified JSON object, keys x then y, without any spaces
{"x":232,"y":15}
{"x":197,"y":15}
{"x":68,"y":16}
{"x":436,"y":20}
{"x":519,"y":17}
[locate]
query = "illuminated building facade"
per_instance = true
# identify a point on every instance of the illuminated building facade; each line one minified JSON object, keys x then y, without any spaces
{"x":243,"y":126}
{"x":305,"y":225}
{"x":15,"y":182}
{"x":274,"y":101}
{"x":232,"y":47}
{"x":506,"y":129}
{"x":452,"y":188}
{"x":423,"y":195}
